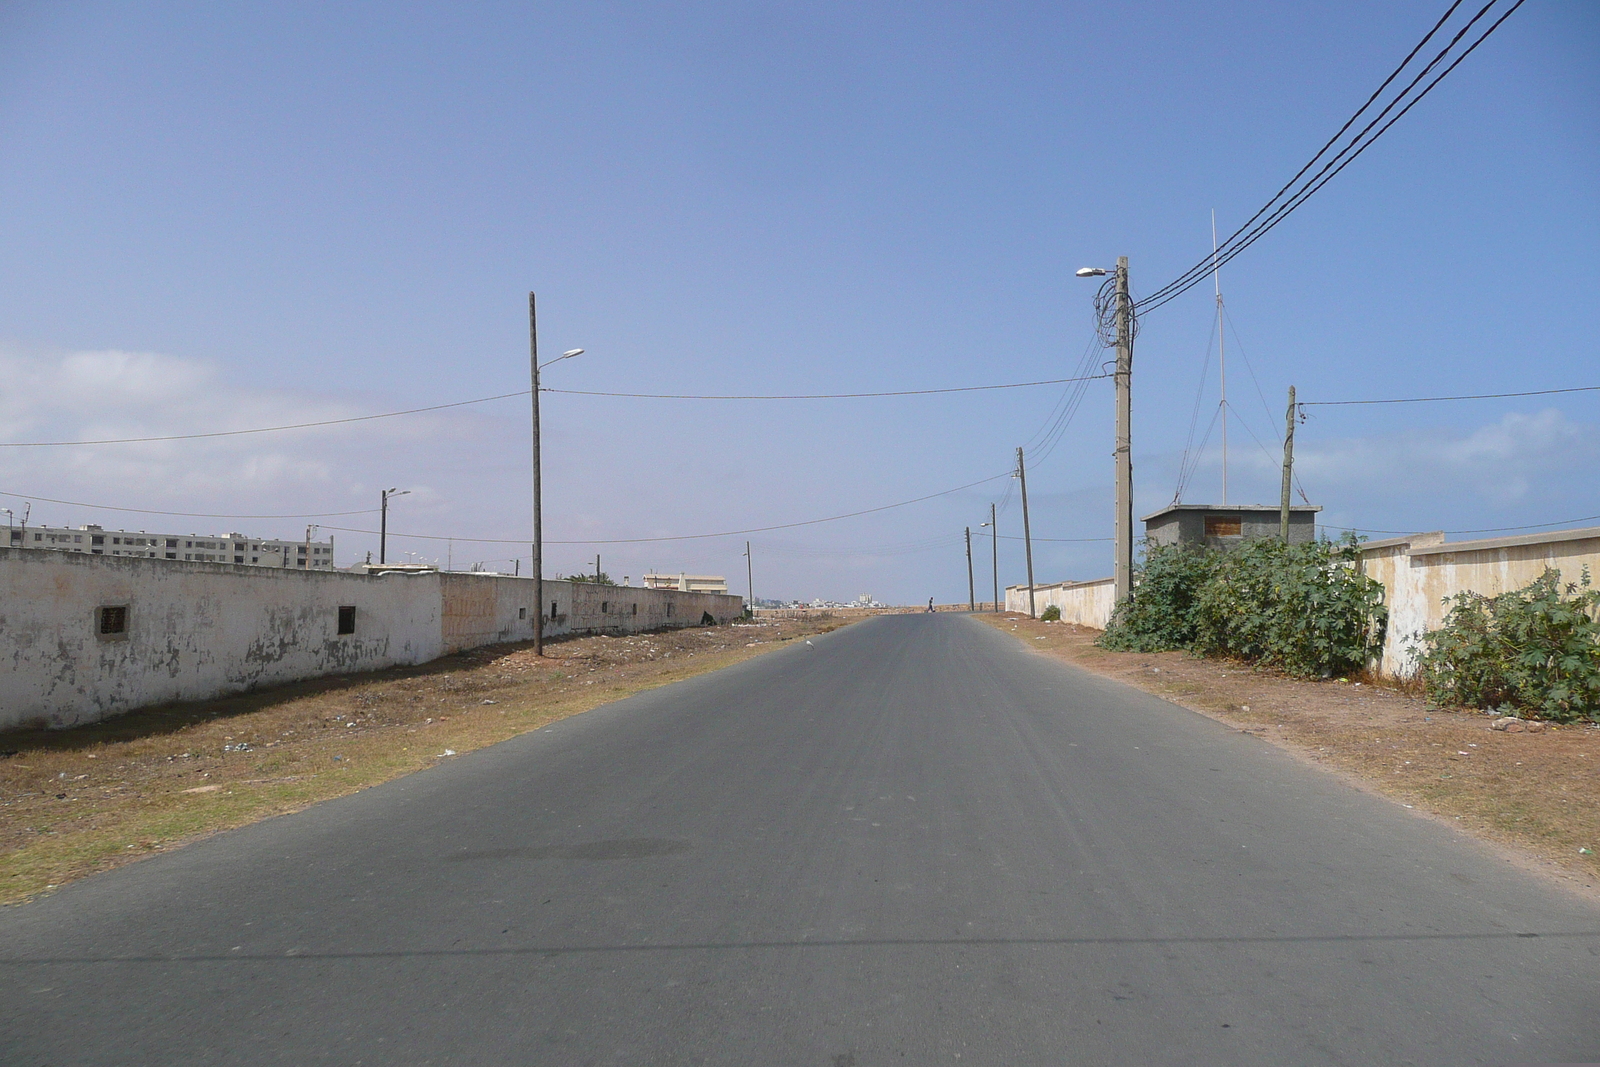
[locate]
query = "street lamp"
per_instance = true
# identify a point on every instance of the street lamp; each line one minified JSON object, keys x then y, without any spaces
{"x":383,"y":522}
{"x":538,"y":503}
{"x":1124,"y":329}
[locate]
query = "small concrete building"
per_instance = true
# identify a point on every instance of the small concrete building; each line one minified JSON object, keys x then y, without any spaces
{"x":1220,"y":526}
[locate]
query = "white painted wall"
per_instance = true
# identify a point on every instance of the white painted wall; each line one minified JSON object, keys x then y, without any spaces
{"x":201,"y":630}
{"x":195,"y":630}
{"x":1084,"y":603}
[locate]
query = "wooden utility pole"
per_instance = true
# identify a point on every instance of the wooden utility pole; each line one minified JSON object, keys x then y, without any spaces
{"x":994,"y":554}
{"x":972,"y":600}
{"x":597,"y":568}
{"x":1124,"y":450}
{"x":750,"y":579}
{"x":538,"y":512}
{"x":1027,"y":531}
{"x":1288,"y":467}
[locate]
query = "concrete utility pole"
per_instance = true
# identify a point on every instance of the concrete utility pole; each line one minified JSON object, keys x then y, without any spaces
{"x":1288,"y":467}
{"x":972,"y":600}
{"x":1027,"y":531}
{"x":538,"y":508}
{"x":994,"y":554}
{"x":1124,"y":530}
{"x":597,"y":568}
{"x":750,"y":579}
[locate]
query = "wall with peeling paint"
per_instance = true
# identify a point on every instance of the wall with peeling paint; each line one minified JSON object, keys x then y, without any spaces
{"x":1421,"y":572}
{"x":201,"y":630}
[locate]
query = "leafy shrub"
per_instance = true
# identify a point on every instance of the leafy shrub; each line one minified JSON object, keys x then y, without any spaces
{"x":1303,"y":608}
{"x":1160,"y":615}
{"x":1050,"y":614}
{"x":1534,"y":648}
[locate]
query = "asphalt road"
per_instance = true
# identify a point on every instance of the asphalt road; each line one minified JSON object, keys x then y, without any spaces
{"x":911,"y":842}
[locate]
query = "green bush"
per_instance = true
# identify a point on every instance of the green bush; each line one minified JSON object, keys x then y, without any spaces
{"x":1050,"y":614}
{"x":1160,"y":616}
{"x":1536,"y":648}
{"x":1304,"y":609}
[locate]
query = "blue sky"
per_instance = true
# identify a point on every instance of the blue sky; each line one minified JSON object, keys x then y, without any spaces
{"x":215,"y":216}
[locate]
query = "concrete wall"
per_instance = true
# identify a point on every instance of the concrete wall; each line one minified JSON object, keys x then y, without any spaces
{"x":1421,"y":572}
{"x":201,"y":630}
{"x":195,"y":630}
{"x":483,"y":609}
{"x":1085,"y":603}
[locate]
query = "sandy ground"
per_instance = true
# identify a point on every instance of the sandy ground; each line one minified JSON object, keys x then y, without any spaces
{"x":73,"y":802}
{"x":1535,"y":794}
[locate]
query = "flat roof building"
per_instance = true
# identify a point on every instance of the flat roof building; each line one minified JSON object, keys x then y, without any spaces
{"x":1223,"y":525}
{"x":233,"y":548}
{"x":687,"y":583}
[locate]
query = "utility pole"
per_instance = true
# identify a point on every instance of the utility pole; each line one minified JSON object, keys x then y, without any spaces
{"x":994,"y":554}
{"x":597,"y":568}
{"x":538,"y":512}
{"x":1124,"y":529}
{"x":383,"y":528}
{"x":1288,"y":467}
{"x":308,"y":545}
{"x":972,"y":601}
{"x":1027,"y":531}
{"x":750,"y":579}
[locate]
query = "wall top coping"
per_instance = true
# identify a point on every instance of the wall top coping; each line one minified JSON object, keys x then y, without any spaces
{"x":1062,"y":585}
{"x":1450,"y":547}
{"x":1420,"y":540}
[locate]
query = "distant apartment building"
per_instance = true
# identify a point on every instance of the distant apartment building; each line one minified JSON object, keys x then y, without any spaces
{"x":687,"y":583}
{"x":203,"y":548}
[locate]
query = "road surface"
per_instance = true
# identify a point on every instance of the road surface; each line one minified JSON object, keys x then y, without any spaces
{"x":912,"y":841}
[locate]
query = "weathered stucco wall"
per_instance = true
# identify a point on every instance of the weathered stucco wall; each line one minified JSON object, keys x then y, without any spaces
{"x":1421,"y":572}
{"x":194,"y":630}
{"x":1085,"y":603}
{"x":482,"y":609}
{"x":200,"y":630}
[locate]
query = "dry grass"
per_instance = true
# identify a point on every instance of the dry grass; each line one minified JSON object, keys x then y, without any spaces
{"x":73,"y":802}
{"x":1538,"y":793}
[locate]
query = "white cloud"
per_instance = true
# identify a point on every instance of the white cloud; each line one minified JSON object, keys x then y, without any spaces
{"x":1499,"y":463}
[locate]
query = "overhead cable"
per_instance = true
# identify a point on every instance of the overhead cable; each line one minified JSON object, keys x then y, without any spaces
{"x":1437,"y":399}
{"x":188,"y":514}
{"x":1280,"y":207}
{"x":525,"y":392}
{"x":687,"y":537}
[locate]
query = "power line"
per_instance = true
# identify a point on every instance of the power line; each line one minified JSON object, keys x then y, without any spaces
{"x":827,"y":396}
{"x":187,"y":514}
{"x":524,"y":392}
{"x":1496,"y":529}
{"x":686,"y":537}
{"x":1057,"y":540}
{"x":258,"y":429}
{"x":1436,"y":399}
{"x":1277,"y":209}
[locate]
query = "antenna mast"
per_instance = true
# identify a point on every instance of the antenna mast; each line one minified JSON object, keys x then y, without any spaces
{"x":1222,"y":355}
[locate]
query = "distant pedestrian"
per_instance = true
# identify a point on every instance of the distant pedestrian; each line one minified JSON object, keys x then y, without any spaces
{"x":930,"y":603}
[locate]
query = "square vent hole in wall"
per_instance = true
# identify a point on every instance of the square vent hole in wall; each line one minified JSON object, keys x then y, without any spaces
{"x":347,"y":619}
{"x":522,"y":613}
{"x":111,"y":622}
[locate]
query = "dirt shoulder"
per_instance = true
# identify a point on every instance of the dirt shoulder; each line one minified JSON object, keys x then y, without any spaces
{"x":73,"y":802}
{"x":1538,"y":794}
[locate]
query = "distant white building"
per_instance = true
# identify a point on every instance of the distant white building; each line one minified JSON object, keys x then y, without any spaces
{"x":687,"y":583}
{"x":203,"y":548}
